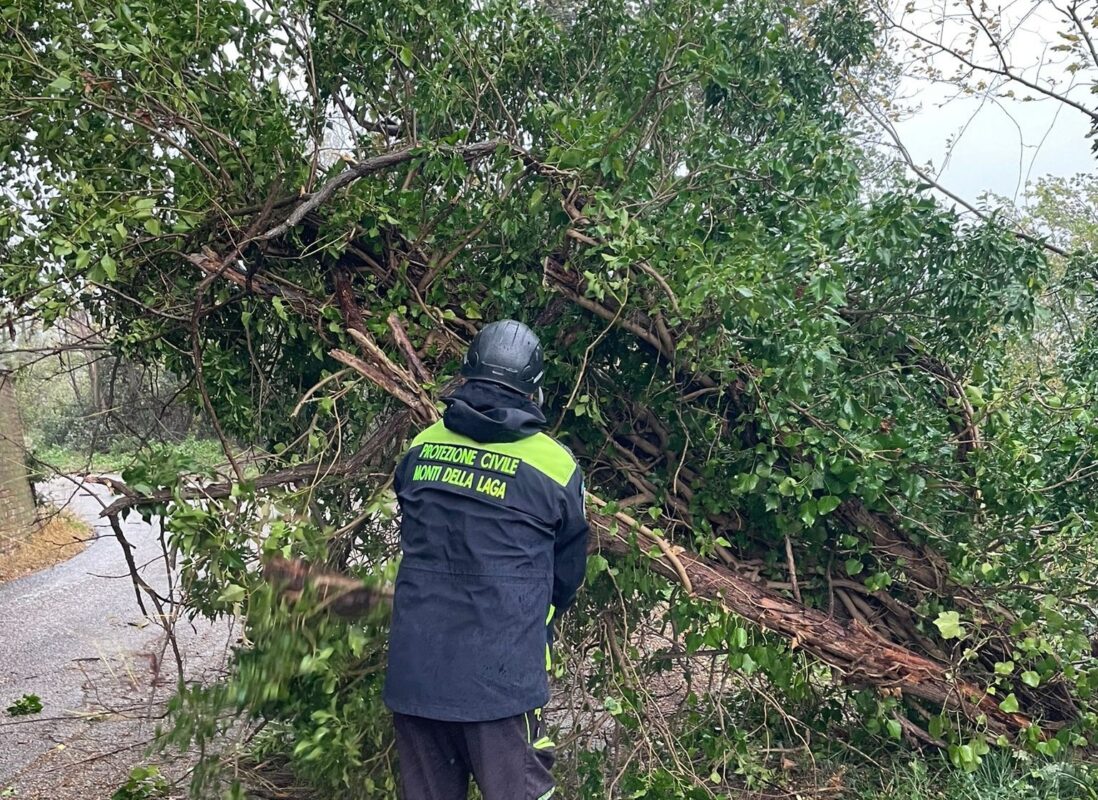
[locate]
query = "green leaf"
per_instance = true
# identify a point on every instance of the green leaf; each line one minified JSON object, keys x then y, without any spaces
{"x":25,"y":705}
{"x":878,"y":581}
{"x":1031,"y":678}
{"x":1004,"y":667}
{"x":233,"y":593}
{"x":893,"y":727}
{"x":827,"y":504}
{"x":949,"y":625}
{"x":1049,"y":747}
{"x":61,"y":83}
{"x":536,"y":198}
{"x":110,"y":267}
{"x":854,"y":566}
{"x":596,"y":564}
{"x":739,"y":638}
{"x":406,"y":57}
{"x":1009,"y":704}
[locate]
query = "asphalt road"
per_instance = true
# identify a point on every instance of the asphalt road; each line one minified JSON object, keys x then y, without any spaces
{"x":74,"y":635}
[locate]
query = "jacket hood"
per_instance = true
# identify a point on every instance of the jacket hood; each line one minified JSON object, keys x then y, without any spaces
{"x":487,"y":412}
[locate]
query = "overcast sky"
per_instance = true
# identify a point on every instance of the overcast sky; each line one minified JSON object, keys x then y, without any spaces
{"x":986,"y":143}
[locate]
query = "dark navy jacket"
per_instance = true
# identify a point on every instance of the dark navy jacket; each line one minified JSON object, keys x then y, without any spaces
{"x":493,"y":535}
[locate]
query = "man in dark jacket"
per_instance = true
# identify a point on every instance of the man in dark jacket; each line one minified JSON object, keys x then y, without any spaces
{"x":494,"y":539}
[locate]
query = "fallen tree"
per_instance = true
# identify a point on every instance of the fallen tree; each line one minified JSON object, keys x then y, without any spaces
{"x":860,"y":654}
{"x":807,"y":415}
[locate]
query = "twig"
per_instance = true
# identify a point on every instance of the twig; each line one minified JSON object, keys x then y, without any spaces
{"x":932,"y":181}
{"x":315,"y":388}
{"x":792,"y":569}
{"x":383,"y":381}
{"x":404,"y":344}
{"x":643,"y":530}
{"x":397,"y":373}
{"x":367,"y":167}
{"x":127,"y":552}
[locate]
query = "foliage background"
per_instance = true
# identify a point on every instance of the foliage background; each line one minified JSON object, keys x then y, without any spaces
{"x":749,"y":350}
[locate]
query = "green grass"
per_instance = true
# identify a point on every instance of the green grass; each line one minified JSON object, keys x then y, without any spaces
{"x":206,"y":453}
{"x":1000,"y":776}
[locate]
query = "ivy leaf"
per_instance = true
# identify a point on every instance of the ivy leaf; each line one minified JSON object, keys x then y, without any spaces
{"x":949,"y":625}
{"x":1031,"y":678}
{"x":739,"y":638}
{"x":596,"y":564}
{"x":936,"y":726}
{"x":1009,"y":704}
{"x":827,"y":504}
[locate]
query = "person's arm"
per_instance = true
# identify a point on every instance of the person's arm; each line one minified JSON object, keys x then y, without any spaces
{"x":400,"y":473}
{"x":570,"y":549}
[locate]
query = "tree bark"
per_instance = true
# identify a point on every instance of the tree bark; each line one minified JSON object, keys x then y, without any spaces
{"x":17,"y":514}
{"x":859,"y":655}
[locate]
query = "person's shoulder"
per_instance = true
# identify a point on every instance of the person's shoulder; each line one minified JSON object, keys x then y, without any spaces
{"x":550,"y":457}
{"x":559,"y":446}
{"x":438,"y":432}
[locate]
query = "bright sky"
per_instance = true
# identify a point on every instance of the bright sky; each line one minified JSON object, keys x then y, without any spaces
{"x":984,"y":142}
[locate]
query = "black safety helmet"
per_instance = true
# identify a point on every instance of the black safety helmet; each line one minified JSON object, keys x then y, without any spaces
{"x":506,"y":352}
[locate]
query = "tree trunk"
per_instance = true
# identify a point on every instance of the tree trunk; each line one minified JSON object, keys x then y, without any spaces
{"x":17,"y":513}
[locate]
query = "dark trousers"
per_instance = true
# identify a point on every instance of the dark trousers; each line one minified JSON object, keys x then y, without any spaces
{"x":510,"y":759}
